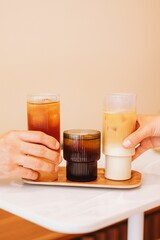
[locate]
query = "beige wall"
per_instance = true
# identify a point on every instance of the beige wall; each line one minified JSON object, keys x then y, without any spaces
{"x":82,"y":49}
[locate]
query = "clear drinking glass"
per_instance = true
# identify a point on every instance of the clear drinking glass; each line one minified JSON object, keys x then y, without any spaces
{"x":43,"y":112}
{"x":119,"y":120}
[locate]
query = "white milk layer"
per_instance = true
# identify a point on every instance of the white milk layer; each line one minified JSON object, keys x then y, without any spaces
{"x":117,"y":150}
{"x":117,"y":168}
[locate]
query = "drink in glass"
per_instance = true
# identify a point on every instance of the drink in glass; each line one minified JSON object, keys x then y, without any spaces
{"x":44,"y":115}
{"x":81,"y":150}
{"x":119,"y":119}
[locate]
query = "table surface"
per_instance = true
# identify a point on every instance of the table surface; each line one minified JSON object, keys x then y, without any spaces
{"x":83,"y":210}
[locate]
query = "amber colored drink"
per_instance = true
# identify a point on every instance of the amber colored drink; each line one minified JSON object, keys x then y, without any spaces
{"x":44,"y":115}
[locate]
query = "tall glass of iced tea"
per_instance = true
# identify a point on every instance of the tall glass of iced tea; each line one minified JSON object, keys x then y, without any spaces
{"x":119,"y":120}
{"x":44,"y":115}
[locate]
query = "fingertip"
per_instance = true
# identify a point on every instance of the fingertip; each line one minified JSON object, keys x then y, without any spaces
{"x":127,"y":143}
{"x":35,"y":176}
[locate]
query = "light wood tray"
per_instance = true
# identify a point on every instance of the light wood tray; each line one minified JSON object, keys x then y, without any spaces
{"x":100,"y":182}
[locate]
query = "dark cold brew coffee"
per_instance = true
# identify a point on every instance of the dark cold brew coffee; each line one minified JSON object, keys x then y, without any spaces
{"x":81,"y":151}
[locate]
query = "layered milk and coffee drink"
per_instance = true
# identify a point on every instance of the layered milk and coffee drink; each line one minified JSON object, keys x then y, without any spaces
{"x":119,"y":121}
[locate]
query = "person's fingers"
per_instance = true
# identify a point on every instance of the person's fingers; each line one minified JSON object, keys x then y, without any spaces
{"x":146,"y":144}
{"x":39,"y":137}
{"x":36,"y":164}
{"x":25,"y":173}
{"x":41,"y":151}
{"x":139,"y":150}
{"x":136,"y":137}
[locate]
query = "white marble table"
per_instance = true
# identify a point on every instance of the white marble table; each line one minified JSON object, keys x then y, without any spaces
{"x":83,"y":210}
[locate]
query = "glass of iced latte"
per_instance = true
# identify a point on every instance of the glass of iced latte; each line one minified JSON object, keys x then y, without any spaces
{"x":119,"y":120}
{"x":44,"y":115}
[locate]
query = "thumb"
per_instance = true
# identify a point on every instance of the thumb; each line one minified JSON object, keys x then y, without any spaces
{"x":136,"y":137}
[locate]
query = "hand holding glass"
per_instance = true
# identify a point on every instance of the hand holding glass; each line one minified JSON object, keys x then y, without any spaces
{"x":44,"y":115}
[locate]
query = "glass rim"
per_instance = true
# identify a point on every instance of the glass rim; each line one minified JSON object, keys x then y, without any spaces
{"x":43,"y":97}
{"x":82,"y":134}
{"x":120,"y":102}
{"x":121,"y":94}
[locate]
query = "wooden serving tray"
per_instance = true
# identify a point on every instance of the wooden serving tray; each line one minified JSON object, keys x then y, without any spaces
{"x":100,"y":182}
